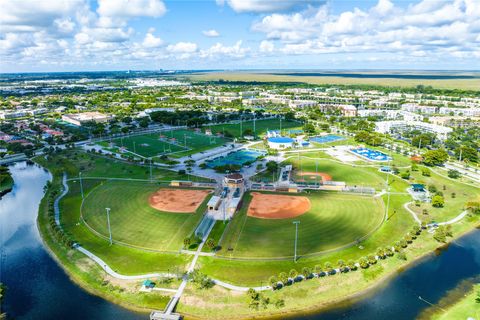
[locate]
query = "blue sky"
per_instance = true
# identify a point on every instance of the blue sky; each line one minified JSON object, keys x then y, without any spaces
{"x":69,"y":35}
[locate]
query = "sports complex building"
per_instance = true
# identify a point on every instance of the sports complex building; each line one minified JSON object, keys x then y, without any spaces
{"x":280,"y":143}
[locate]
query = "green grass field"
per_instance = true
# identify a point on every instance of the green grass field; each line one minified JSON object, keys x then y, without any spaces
{"x":454,"y":204}
{"x":466,"y":84}
{"x":133,"y":221}
{"x":353,"y":176}
{"x":261,"y":127}
{"x":177,"y":143}
{"x":334,"y":220}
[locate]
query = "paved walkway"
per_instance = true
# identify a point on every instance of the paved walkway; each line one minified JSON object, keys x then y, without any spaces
{"x":451,"y":221}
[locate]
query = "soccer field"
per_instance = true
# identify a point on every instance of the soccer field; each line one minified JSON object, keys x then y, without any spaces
{"x":133,"y":221}
{"x":261,"y":127}
{"x":175,"y":142}
{"x":334,"y":220}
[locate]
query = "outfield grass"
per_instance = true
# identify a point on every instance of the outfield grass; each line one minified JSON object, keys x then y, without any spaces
{"x":133,"y":221}
{"x":261,"y":127}
{"x":353,"y":176}
{"x":334,"y":220}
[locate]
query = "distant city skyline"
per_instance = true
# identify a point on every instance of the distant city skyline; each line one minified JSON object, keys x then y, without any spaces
{"x":82,"y":35}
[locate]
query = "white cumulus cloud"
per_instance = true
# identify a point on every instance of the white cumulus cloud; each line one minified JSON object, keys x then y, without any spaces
{"x":131,"y":8}
{"x":212,"y":33}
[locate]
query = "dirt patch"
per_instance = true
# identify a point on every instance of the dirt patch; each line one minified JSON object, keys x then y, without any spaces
{"x":177,"y":200}
{"x":275,"y":206}
{"x":312,"y":175}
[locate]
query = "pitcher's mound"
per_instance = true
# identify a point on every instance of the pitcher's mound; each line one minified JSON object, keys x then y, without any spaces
{"x":312,"y":175}
{"x":275,"y":206}
{"x":177,"y":200}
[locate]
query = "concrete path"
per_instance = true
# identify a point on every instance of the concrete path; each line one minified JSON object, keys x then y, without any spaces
{"x":414,"y":215}
{"x":117,"y":275}
{"x":451,"y":221}
{"x":56,"y":208}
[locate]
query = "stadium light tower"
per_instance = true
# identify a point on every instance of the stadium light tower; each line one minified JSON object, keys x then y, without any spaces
{"x":81,"y":184}
{"x":108,"y":224}
{"x":296,"y":238}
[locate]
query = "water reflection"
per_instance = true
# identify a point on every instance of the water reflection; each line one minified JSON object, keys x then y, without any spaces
{"x":37,"y":287}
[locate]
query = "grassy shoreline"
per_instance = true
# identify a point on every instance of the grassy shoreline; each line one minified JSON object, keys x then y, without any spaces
{"x":390,"y":267}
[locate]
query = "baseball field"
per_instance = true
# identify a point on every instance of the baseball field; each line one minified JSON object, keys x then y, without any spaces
{"x":139,"y":216}
{"x":328,"y":221}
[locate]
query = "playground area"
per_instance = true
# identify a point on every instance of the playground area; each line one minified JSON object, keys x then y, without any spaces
{"x":239,"y":158}
{"x":371,"y":155}
{"x":275,"y":206}
{"x":177,"y":200}
{"x":326,"y":139}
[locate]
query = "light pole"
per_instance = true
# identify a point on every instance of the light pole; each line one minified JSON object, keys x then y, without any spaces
{"x":150,"y":169}
{"x":296,"y":237}
{"x":81,"y":184}
{"x":108,"y":224}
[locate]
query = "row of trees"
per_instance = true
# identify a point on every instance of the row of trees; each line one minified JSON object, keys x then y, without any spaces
{"x":285,"y":279}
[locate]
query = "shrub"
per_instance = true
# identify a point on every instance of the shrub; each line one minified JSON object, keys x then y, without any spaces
{"x":437,"y":201}
{"x":454,"y":174}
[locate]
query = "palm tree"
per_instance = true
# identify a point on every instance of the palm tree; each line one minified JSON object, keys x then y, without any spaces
{"x":380,"y":253}
{"x":351,"y":265}
{"x":273,"y":282}
{"x":328,"y":267}
{"x":283,"y":277}
{"x":416,"y":229}
{"x":341,"y":263}
{"x":293,"y":274}
{"x":306,"y":272}
{"x":363,"y":262}
{"x":371,"y":259}
{"x":408,"y":238}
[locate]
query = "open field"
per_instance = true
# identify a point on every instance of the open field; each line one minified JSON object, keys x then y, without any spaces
{"x":465,"y":84}
{"x":456,"y":195}
{"x":176,"y":142}
{"x":333,"y":220}
{"x":133,"y":221}
{"x":353,"y":176}
{"x":261,"y":127}
{"x":92,"y":165}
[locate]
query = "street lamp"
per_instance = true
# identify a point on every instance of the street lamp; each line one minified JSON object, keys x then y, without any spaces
{"x":108,"y":224}
{"x":296,"y":238}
